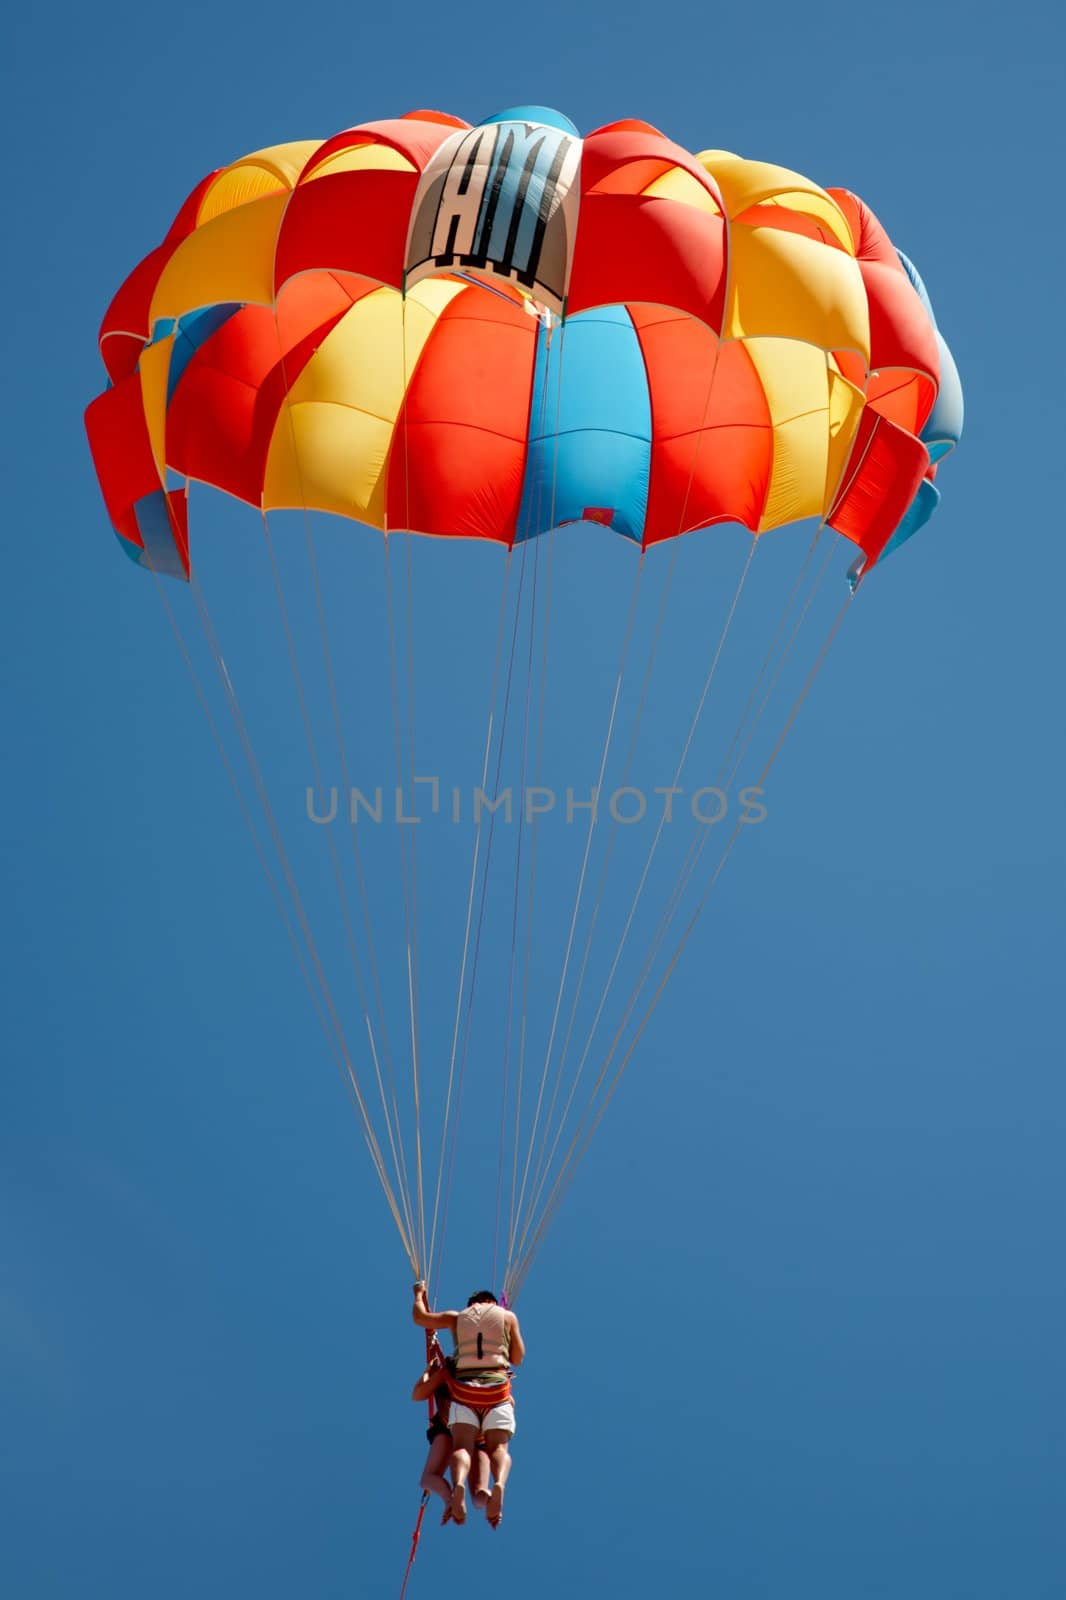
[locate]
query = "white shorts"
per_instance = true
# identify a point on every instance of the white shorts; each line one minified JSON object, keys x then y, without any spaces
{"x":500,"y":1417}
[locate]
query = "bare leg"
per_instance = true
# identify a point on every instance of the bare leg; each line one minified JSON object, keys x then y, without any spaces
{"x":500,"y":1461}
{"x":464,"y":1443}
{"x":433,"y":1479}
{"x":479,"y":1477}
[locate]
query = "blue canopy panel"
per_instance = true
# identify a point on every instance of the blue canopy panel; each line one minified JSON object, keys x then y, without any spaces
{"x":190,"y":332}
{"x":541,"y":114}
{"x":160,"y":552}
{"x":193,"y":331}
{"x":943,"y":426}
{"x":916,"y":516}
{"x":589,"y":454}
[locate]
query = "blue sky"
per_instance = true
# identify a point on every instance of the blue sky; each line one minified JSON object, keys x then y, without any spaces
{"x":799,"y":1328}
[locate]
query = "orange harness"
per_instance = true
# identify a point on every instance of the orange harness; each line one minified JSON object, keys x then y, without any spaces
{"x":480,"y":1397}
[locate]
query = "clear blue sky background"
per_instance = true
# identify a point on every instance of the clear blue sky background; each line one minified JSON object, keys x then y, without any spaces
{"x":800,"y":1330}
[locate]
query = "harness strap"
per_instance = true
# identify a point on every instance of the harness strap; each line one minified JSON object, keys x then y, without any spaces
{"x":479,"y":1396}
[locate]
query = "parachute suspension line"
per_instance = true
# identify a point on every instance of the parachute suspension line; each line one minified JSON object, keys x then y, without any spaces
{"x":393,"y":1124}
{"x":241,"y":801}
{"x":716,"y":659}
{"x":483,"y":898}
{"x":581,"y":882}
{"x":601,"y":884}
{"x":407,"y":840}
{"x":316,"y":1002}
{"x":684,"y":877}
{"x":393,"y":1129}
{"x":767,"y":658}
{"x":699,"y":841}
{"x":405,"y":871}
{"x":514,"y":916}
{"x":535,"y":532}
{"x":412,"y":952}
{"x":246,"y":813}
{"x":700,"y":838}
{"x":727,"y":781}
{"x":538,"y":770}
{"x":545,"y":1166}
{"x":345,"y":1062}
{"x":681,"y":527}
{"x":260,"y":786}
{"x":475,"y":854}
{"x":572,"y":1159}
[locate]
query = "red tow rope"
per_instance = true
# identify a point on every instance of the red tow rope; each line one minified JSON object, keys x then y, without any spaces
{"x":431,"y":1345}
{"x":414,"y":1542}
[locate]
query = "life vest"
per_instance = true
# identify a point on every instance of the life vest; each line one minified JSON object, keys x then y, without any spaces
{"x":482,"y":1341}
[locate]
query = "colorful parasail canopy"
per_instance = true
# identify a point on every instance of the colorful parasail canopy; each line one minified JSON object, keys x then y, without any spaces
{"x":490,"y":331}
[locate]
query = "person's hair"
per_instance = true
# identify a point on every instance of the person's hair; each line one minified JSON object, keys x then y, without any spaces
{"x":483,"y":1297}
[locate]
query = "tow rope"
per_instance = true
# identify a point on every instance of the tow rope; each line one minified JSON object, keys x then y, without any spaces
{"x":414,"y":1542}
{"x":431,"y":1346}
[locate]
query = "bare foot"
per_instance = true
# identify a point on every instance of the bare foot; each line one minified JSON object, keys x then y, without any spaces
{"x":481,"y":1498}
{"x":458,"y":1505}
{"x":494,"y":1509}
{"x":447,"y":1517}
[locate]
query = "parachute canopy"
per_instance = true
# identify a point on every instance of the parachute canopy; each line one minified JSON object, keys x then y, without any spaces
{"x":490,"y":331}
{"x":481,"y":334}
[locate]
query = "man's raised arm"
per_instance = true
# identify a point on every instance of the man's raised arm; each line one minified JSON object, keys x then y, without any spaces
{"x":425,"y":1318}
